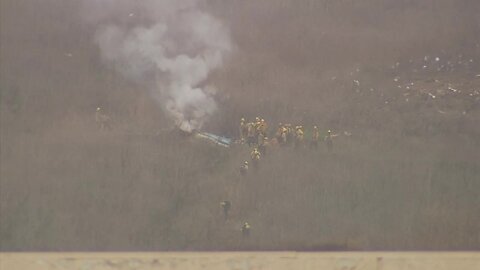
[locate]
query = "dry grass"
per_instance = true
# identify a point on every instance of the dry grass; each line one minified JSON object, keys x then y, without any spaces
{"x":406,"y":179}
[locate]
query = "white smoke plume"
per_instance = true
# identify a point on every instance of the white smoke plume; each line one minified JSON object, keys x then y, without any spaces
{"x":170,"y":46}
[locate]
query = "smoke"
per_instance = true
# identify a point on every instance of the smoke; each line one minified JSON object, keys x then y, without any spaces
{"x":169,"y":46}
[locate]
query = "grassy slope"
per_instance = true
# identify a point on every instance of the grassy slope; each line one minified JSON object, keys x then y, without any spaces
{"x":407,"y":178}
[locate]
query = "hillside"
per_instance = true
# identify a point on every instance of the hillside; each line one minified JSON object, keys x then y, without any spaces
{"x":399,"y":81}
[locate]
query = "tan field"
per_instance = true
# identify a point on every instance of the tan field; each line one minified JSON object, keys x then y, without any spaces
{"x":241,"y":261}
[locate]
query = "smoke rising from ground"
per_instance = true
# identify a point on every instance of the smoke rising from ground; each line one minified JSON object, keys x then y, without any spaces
{"x":172,"y":54}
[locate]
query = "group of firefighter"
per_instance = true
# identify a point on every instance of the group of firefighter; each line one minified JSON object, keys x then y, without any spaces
{"x":254,"y":134}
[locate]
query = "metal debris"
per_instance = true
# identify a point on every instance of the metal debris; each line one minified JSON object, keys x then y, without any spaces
{"x":452,"y":89}
{"x":219,"y":140}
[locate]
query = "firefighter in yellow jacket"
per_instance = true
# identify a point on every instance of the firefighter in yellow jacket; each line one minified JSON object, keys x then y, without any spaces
{"x":299,"y":135}
{"x":257,"y":122}
{"x":243,"y":130}
{"x":251,"y":140}
{"x":255,"y":156}
{"x":263,"y":127}
{"x":289,"y":134}
{"x":315,"y":137}
{"x":278,"y":134}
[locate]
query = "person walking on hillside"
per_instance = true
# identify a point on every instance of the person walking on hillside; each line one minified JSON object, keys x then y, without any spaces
{"x":280,"y":134}
{"x":299,"y":135}
{"x":255,"y":156}
{"x":226,"y":205}
{"x":262,"y":145}
{"x":329,"y":140}
{"x":251,"y":134}
{"x":244,"y":169}
{"x":289,"y":135}
{"x":263,"y":127}
{"x":243,"y":130}
{"x":102,"y":120}
{"x":315,"y":137}
{"x":246,"y":229}
{"x":257,"y":124}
